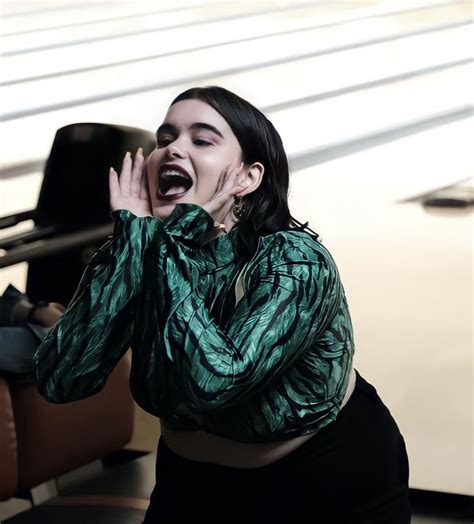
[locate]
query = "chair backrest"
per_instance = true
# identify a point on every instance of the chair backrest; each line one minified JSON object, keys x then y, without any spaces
{"x":75,"y":184}
{"x":57,"y":438}
{"x":74,"y":195}
{"x":8,"y":445}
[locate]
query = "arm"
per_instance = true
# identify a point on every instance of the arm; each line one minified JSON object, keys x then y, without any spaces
{"x":81,"y":350}
{"x":292,"y":292}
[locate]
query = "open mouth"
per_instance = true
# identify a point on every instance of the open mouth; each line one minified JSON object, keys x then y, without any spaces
{"x":173,"y":182}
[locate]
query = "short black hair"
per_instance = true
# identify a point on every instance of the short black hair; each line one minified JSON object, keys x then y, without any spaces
{"x":266,"y":208}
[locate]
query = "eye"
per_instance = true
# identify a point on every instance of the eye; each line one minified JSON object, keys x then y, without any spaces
{"x":163,"y":141}
{"x":201,"y":142}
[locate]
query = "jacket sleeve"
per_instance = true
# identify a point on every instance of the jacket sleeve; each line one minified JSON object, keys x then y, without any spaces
{"x":292,"y":292}
{"x":78,"y":354}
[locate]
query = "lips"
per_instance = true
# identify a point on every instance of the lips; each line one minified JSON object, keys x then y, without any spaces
{"x":173,"y":182}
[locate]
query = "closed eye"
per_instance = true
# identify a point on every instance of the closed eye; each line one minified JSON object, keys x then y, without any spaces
{"x":163,"y":142}
{"x":201,"y":142}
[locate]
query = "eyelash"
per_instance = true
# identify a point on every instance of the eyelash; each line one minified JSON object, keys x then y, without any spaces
{"x":202,"y":142}
{"x":165,"y":141}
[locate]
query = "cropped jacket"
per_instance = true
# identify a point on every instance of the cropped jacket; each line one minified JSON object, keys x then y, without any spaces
{"x":272,"y":365}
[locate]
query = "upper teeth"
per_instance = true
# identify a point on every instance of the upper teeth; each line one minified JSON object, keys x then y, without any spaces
{"x":174,"y":172}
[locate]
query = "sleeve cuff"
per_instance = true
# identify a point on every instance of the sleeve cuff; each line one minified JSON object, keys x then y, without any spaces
{"x":189,"y":223}
{"x":123,"y":220}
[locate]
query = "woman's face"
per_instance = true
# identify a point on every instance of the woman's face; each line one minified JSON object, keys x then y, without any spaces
{"x":195,"y":145}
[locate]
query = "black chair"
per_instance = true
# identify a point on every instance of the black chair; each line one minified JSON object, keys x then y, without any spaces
{"x":72,"y":217}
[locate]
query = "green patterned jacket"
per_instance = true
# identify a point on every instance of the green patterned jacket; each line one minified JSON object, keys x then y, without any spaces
{"x":273,"y":366}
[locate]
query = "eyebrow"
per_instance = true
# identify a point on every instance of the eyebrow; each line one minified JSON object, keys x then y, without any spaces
{"x":165,"y":127}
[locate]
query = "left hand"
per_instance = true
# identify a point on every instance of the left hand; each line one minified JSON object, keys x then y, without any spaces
{"x":220,"y":205}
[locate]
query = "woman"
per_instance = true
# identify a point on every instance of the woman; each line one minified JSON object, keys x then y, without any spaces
{"x":240,"y":331}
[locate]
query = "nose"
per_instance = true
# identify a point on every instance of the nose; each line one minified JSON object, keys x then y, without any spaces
{"x":175,"y":150}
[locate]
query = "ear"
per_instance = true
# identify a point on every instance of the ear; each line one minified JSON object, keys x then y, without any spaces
{"x":252,"y":178}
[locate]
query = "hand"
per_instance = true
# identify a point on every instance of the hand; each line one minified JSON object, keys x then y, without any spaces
{"x":44,"y":315}
{"x":221,"y":203}
{"x":48,"y":316}
{"x":130,"y":191}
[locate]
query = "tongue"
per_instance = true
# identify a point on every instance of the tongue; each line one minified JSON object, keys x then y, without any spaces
{"x":174,"y":190}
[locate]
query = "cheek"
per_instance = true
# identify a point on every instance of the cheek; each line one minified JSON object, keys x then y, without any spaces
{"x":210,"y":168}
{"x":151,"y":168}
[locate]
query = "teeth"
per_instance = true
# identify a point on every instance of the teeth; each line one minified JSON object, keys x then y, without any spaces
{"x":169,"y":184}
{"x":173,"y":173}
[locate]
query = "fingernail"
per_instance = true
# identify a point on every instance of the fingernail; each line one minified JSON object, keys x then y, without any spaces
{"x":140,"y":151}
{"x":128,"y":154}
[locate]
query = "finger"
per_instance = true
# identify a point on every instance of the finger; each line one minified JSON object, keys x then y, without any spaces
{"x":221,"y":199}
{"x":227,"y":174}
{"x":233,"y":186}
{"x":233,"y":176}
{"x":218,"y":187}
{"x":226,"y":179}
{"x":58,"y":306}
{"x":125,"y":174}
{"x":114,"y":186}
{"x":221,"y":182}
{"x":137,"y":173}
{"x":144,"y":193}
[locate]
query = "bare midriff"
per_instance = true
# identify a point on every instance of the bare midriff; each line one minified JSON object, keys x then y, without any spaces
{"x":205,"y":447}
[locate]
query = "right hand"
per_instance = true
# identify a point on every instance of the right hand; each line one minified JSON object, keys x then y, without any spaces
{"x":130,"y":191}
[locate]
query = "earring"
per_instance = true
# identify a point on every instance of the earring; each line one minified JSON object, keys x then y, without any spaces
{"x":239,"y":207}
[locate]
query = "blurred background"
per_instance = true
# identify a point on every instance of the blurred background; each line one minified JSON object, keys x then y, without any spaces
{"x":373,"y":100}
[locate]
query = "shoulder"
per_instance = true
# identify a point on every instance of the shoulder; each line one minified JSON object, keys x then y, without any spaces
{"x":294,"y":250}
{"x":295,"y":244}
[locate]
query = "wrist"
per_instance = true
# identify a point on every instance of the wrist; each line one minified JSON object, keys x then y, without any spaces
{"x":190,"y":224}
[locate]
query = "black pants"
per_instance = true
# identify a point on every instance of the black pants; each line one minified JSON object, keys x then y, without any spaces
{"x":355,"y":470}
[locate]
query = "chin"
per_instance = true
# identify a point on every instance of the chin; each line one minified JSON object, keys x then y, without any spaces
{"x":163,"y":211}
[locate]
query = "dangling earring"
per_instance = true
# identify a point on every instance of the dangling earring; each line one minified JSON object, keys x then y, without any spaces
{"x":239,"y":207}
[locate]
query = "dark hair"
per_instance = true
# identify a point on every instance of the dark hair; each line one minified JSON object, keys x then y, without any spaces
{"x":265,"y":209}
